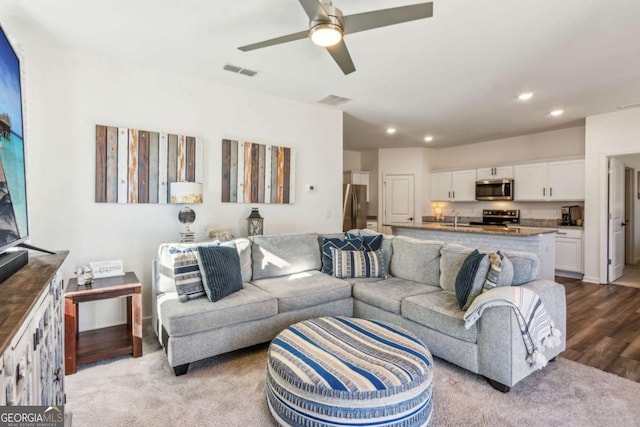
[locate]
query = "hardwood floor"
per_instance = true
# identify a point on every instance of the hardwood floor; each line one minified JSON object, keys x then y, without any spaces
{"x":603,"y":327}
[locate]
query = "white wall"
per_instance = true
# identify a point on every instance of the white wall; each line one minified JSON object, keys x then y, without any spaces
{"x":352,"y":160}
{"x":606,"y":135}
{"x":408,"y":161}
{"x":69,"y":93}
{"x":536,"y":146}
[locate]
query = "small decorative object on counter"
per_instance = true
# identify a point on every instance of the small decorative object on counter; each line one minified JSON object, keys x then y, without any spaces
{"x":255,"y":223}
{"x":85,"y":275}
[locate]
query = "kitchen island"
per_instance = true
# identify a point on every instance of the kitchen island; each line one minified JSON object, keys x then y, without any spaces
{"x":540,"y":241}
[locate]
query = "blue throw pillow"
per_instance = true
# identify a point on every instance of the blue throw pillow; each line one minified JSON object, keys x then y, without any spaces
{"x":221,"y":273}
{"x":350,"y":264}
{"x":370,"y":243}
{"x":338,"y":243}
{"x":470,"y":279}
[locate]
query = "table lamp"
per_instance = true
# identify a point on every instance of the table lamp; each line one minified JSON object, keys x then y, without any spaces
{"x":186,"y":193}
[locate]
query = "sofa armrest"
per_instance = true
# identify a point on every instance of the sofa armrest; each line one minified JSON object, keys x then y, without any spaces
{"x":501,"y":352}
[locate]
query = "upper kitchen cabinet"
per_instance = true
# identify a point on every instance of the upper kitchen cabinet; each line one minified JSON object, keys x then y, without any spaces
{"x":566,"y":180}
{"x":499,"y":172}
{"x":561,"y":181}
{"x":530,"y":182}
{"x":456,"y":186}
{"x":357,"y":177}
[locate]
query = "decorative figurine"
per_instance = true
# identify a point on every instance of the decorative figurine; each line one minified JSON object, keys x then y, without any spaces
{"x":85,"y":275}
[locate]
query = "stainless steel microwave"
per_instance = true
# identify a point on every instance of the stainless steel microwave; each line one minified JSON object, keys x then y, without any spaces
{"x":494,"y":189}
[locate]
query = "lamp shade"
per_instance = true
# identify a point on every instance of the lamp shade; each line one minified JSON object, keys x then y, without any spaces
{"x":186,"y":192}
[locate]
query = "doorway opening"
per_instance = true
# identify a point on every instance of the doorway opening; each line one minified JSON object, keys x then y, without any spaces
{"x":623,"y":226}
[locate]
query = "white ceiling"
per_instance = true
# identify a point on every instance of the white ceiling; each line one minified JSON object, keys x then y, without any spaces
{"x":455,"y":76}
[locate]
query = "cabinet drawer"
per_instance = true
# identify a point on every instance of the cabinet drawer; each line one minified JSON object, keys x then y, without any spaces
{"x":569,"y":233}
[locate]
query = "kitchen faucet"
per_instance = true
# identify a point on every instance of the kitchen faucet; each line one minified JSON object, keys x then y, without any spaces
{"x":455,"y":220}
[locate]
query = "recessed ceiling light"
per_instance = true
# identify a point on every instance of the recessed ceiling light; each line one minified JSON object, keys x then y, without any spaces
{"x":525,"y":96}
{"x":556,"y":113}
{"x":428,"y":138}
{"x":391,"y":131}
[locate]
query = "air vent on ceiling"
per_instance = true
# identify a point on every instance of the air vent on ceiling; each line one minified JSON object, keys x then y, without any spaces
{"x":627,"y":106}
{"x":334,"y":100}
{"x":239,"y":70}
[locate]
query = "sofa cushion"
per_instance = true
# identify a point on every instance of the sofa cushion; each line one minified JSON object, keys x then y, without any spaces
{"x":471,"y":278}
{"x":525,"y":266}
{"x":388,"y":294}
{"x":451,"y":258}
{"x":307,"y":289}
{"x":416,"y":260}
{"x":284,"y":254}
{"x":249,"y":303}
{"x":439,"y":311}
{"x":349,"y":264}
{"x":220,"y":268}
{"x":349,"y":244}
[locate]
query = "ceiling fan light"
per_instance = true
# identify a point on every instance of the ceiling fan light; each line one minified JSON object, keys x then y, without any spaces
{"x":326,"y":34}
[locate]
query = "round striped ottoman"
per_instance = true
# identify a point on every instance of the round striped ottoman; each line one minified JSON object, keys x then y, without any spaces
{"x":339,"y":371}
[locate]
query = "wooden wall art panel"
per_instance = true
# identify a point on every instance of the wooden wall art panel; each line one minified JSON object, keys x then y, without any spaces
{"x":257,"y":173}
{"x":136,"y":166}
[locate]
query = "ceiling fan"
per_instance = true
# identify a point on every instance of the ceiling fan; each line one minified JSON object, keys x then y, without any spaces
{"x":327,"y":26}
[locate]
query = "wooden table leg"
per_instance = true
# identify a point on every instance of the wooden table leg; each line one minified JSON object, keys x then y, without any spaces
{"x":70,"y":335}
{"x":136,"y":322}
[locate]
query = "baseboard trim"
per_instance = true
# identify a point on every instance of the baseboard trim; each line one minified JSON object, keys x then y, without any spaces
{"x":591,"y":279}
{"x":570,"y":274}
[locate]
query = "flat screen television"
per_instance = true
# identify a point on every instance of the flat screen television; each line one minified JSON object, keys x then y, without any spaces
{"x":14,"y":227}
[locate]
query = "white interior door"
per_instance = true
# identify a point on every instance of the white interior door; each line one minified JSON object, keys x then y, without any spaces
{"x":398,"y":201}
{"x":616,"y":219}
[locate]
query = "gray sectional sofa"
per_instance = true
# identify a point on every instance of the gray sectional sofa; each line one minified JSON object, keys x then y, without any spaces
{"x":283,"y":285}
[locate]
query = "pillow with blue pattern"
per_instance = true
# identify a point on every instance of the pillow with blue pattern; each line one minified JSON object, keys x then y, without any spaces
{"x":352,"y":264}
{"x":221,"y":273}
{"x":338,"y":243}
{"x":370,"y":243}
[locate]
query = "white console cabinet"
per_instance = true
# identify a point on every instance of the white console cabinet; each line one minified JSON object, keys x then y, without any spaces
{"x":32,"y":334}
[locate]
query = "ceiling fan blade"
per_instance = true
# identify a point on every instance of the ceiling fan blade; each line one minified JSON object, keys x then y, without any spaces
{"x":278,"y":40}
{"x":384,"y":17}
{"x":341,"y":55}
{"x":314,"y":10}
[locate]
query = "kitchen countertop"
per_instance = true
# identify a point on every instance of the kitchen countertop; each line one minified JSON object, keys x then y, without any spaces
{"x":480,"y":229}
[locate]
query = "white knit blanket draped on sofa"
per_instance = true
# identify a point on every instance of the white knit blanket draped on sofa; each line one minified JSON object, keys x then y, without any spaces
{"x":536,"y":326}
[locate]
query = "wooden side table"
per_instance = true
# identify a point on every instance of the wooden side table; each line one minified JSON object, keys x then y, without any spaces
{"x":98,"y":344}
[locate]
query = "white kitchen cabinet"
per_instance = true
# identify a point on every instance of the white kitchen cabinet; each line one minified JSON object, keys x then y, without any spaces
{"x":499,"y":172}
{"x":566,"y":180}
{"x":530,"y":182}
{"x":456,"y":186}
{"x":569,"y":252}
{"x":372,"y":224}
{"x":357,"y":177}
{"x":563,"y":180}
{"x":441,"y":186}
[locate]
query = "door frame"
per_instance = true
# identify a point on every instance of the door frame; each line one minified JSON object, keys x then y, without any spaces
{"x":629,"y":213}
{"x":603,"y":208}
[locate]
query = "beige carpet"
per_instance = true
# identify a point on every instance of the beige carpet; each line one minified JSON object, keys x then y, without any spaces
{"x":230,"y":391}
{"x":631,"y":276}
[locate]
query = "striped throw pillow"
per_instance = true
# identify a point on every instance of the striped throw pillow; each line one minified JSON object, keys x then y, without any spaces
{"x":186,"y":273}
{"x":352,"y":264}
{"x":329,"y":243}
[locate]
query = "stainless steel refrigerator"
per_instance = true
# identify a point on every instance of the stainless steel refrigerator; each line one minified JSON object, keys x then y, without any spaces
{"x":354,"y":206}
